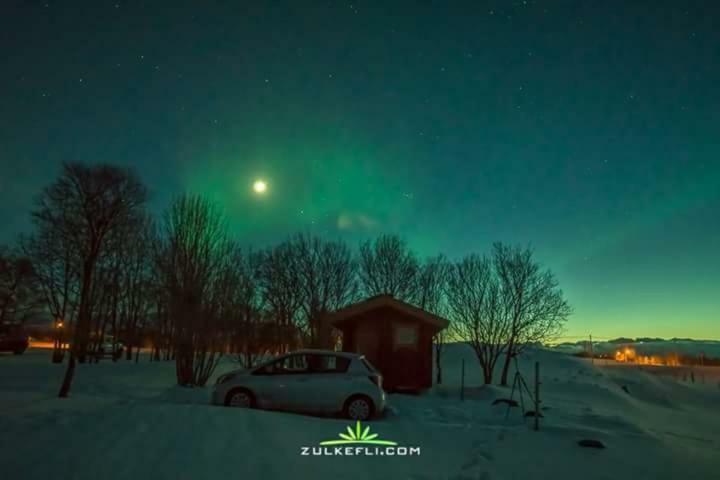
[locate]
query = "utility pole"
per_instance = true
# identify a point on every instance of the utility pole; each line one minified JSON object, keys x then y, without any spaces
{"x":592,"y":355}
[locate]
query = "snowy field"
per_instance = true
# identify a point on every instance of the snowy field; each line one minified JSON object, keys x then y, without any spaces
{"x":127,"y":421}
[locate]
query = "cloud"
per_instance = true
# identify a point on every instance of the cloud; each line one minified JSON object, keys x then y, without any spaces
{"x":353,"y":221}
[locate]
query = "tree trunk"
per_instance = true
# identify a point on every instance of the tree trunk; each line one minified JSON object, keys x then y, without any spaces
{"x":67,"y":380}
{"x":184,"y":348}
{"x":506,"y":364}
{"x":82,"y":331}
{"x":184,"y":364}
{"x":113,"y":321}
{"x":487,"y":374}
{"x":101,"y":340}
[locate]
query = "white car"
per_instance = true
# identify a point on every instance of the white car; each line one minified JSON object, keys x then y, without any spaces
{"x":310,"y":381}
{"x":109,"y":347}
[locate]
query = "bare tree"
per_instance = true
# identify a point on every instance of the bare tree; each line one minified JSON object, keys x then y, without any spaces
{"x":537,"y":310}
{"x":432,"y":282}
{"x":244,"y":306}
{"x":388,"y":266}
{"x":107,"y":294}
{"x":327,"y":280}
{"x":136,"y":283}
{"x":281,"y":290}
{"x":55,"y":268}
{"x":158,"y":324}
{"x":478,"y":307}
{"x":190,"y":257}
{"x":20,"y":293}
{"x":83,"y":206}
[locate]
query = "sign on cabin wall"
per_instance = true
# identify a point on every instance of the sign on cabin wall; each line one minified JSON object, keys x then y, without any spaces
{"x":405,"y":336}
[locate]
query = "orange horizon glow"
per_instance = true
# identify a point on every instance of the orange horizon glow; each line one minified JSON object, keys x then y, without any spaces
{"x":629,"y":355}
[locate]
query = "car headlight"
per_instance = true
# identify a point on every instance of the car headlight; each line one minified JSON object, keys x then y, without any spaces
{"x":225,"y":378}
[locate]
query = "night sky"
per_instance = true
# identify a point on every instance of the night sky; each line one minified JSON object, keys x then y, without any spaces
{"x":590,"y":130}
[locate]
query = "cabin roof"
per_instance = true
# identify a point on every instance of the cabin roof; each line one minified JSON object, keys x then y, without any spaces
{"x":339,"y":317}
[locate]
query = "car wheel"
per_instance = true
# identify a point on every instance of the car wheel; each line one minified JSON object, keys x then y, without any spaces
{"x":19,"y":352}
{"x":240,"y":398}
{"x":359,"y":407}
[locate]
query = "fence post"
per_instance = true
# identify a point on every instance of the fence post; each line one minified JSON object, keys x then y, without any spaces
{"x":537,"y":396}
{"x":462,"y":381}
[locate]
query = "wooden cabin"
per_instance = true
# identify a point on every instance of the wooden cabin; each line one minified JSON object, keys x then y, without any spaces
{"x":396,"y":337}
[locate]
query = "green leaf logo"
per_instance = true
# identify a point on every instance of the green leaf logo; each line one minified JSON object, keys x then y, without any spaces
{"x":358,"y":436}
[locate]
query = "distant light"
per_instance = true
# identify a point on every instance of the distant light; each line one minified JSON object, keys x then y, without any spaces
{"x":60,"y":324}
{"x":260,"y":186}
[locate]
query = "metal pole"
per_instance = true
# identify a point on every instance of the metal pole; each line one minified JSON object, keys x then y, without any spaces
{"x":462,"y":381}
{"x":537,"y":396}
{"x":592,"y":355}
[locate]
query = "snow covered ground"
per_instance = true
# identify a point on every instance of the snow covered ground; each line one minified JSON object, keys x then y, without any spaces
{"x":129,"y":421}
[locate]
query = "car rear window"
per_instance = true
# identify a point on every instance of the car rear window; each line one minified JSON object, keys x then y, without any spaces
{"x":328,"y":363}
{"x":338,"y":364}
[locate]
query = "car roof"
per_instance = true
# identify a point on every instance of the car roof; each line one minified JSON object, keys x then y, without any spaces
{"x":326,"y":352}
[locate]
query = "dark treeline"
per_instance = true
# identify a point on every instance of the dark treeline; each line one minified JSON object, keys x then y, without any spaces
{"x":103,"y":267}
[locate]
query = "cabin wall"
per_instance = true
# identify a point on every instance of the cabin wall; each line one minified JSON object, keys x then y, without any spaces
{"x":408,"y":367}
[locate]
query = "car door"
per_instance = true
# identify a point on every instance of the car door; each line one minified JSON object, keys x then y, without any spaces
{"x":303,"y":386}
{"x":324,"y":387}
{"x":290,"y":383}
{"x":270,"y":384}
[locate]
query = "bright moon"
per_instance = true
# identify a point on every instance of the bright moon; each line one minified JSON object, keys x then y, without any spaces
{"x":259,"y":186}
